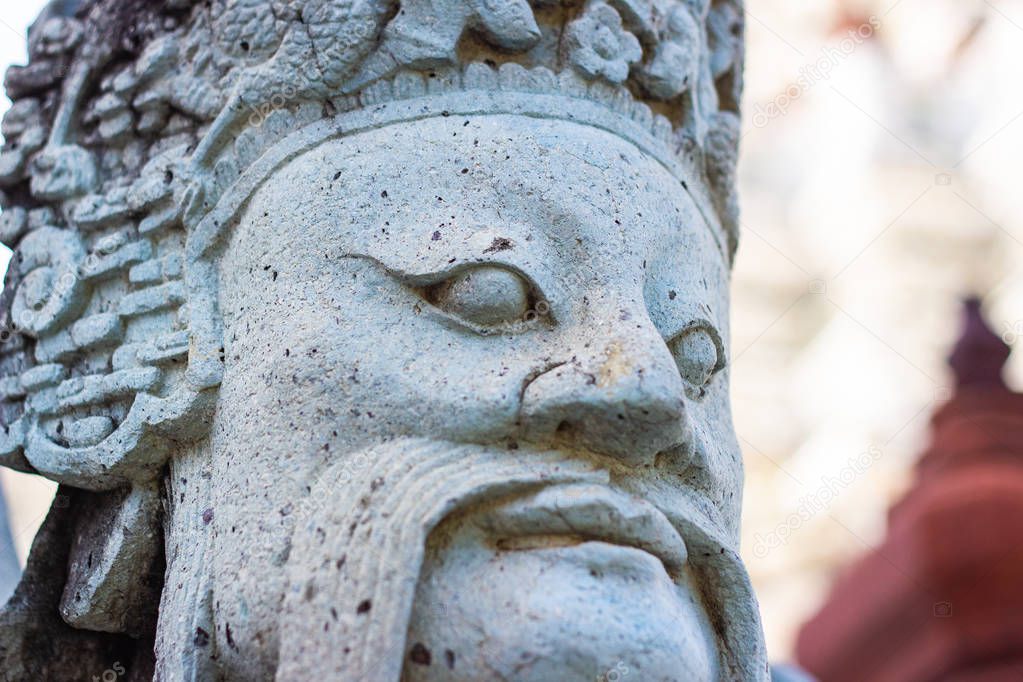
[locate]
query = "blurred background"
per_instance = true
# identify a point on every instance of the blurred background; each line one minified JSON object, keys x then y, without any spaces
{"x":879,"y":180}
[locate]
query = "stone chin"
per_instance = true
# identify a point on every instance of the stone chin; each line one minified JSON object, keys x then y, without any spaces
{"x":442,"y":339}
{"x":573,"y":582}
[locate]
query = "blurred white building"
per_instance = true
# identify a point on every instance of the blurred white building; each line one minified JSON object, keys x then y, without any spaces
{"x":876,"y":191}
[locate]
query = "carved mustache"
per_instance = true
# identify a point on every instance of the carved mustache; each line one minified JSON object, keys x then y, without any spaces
{"x":357,"y":554}
{"x":587,"y":512}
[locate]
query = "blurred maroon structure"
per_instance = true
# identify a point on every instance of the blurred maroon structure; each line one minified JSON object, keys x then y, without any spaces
{"x":942,"y":598}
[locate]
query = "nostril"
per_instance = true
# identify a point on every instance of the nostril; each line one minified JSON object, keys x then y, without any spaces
{"x":678,"y":459}
{"x":665,"y":459}
{"x":567,"y":433}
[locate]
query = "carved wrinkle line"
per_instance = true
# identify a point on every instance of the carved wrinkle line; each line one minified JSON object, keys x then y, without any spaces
{"x":528,"y":381}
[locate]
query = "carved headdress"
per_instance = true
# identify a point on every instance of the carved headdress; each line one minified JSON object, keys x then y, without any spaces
{"x":141,"y":127}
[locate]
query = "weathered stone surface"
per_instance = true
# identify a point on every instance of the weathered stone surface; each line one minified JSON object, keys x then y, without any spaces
{"x":400,"y":331}
{"x":35,"y":643}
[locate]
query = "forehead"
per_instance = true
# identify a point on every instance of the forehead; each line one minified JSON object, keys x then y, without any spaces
{"x":409,"y":190}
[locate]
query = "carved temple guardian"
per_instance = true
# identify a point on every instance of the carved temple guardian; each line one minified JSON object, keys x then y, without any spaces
{"x":376,"y":340}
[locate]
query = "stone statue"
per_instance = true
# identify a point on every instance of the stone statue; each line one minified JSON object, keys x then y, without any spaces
{"x":376,"y":340}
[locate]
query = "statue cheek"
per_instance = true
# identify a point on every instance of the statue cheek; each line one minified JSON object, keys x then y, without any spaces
{"x":427,"y":392}
{"x":386,"y":374}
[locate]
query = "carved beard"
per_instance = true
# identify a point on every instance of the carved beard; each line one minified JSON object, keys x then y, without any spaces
{"x":359,"y":547}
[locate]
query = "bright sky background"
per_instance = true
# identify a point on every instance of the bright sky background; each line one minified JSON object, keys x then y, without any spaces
{"x":27,"y":497}
{"x":14,"y":20}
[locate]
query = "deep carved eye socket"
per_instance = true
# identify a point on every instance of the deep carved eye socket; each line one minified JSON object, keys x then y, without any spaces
{"x":485,"y":296}
{"x":698,"y":356}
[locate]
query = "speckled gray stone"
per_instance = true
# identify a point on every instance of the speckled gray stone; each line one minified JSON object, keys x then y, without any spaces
{"x":378,"y":342}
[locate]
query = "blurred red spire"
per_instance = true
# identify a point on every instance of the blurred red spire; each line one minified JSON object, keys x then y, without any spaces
{"x":940,"y":599}
{"x":979,"y":356}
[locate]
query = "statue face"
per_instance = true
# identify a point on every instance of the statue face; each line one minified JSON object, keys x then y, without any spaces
{"x":520,"y":284}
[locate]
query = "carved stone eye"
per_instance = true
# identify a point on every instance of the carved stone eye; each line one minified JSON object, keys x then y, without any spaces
{"x":698,"y":357}
{"x":485,"y":296}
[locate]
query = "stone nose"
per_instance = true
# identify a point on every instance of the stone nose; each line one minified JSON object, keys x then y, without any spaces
{"x":623,"y":398}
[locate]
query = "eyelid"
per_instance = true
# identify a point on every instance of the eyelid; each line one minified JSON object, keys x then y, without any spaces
{"x":412,"y":278}
{"x":429,"y":279}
